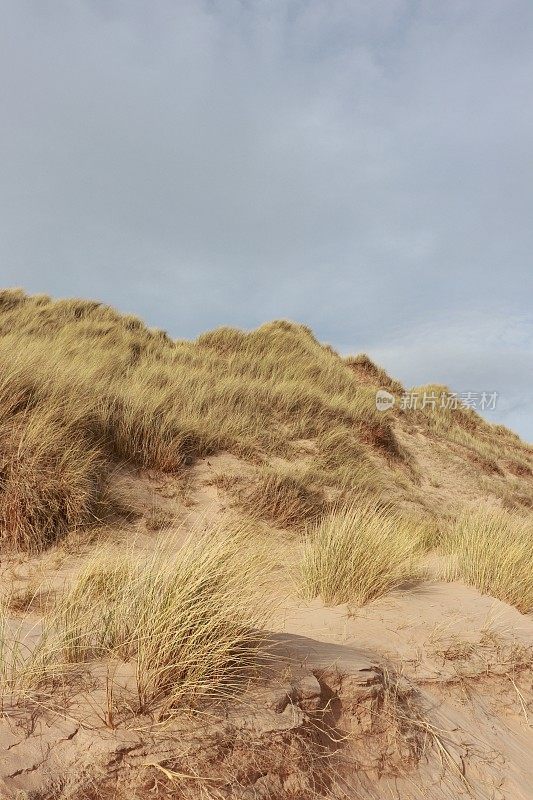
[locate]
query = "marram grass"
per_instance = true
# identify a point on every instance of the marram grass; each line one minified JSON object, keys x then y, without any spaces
{"x":492,"y":549}
{"x":83,"y":387}
{"x":189,"y":618}
{"x":358,"y":553}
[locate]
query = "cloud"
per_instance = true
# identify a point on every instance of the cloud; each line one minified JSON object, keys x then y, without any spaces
{"x":478,"y":354}
{"x":366,"y":171}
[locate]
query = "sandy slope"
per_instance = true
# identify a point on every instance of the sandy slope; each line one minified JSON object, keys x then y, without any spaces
{"x":466,"y":659}
{"x":425,"y":693}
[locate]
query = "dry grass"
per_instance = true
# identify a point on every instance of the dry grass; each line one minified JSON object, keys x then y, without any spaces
{"x":286,"y":499}
{"x":492,"y":550}
{"x":492,"y":449}
{"x":26,"y":661}
{"x":85,"y":392}
{"x":367,"y":371}
{"x":185,"y":621}
{"x":50,"y":479}
{"x":359,"y":553}
{"x":490,"y":653}
{"x":406,"y":727}
{"x":83,"y":388}
{"x":157,"y":518}
{"x":189,"y":621}
{"x":30,"y":598}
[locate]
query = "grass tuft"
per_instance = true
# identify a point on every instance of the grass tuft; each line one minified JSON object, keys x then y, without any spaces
{"x":492,"y":550}
{"x":282,"y":498}
{"x":189,"y":621}
{"x":359,"y":553}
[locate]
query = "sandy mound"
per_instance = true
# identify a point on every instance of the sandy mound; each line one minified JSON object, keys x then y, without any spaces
{"x":423,"y":693}
{"x":166,"y":505}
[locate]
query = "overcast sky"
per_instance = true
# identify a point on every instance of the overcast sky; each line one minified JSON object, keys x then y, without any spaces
{"x":365,"y":168}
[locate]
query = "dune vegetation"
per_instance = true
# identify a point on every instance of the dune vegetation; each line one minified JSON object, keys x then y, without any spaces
{"x":169,"y":507}
{"x":190,"y":622}
{"x":492,"y":549}
{"x":288,"y":499}
{"x":359,"y":553}
{"x":188,"y":618}
{"x":83,"y":388}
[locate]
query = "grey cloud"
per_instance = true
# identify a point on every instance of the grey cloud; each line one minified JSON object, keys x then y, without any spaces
{"x":477,"y":353}
{"x":366,"y":170}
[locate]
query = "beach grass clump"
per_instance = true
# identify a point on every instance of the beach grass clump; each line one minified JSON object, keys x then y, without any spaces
{"x":190,"y":619}
{"x":492,"y":549}
{"x":359,"y":553}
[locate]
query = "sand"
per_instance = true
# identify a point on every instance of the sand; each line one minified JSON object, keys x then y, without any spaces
{"x":425,"y":693}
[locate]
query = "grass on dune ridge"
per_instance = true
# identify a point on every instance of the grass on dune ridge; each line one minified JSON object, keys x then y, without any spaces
{"x":83,"y":388}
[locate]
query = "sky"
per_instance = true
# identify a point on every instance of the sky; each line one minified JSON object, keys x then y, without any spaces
{"x":363,"y":167}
